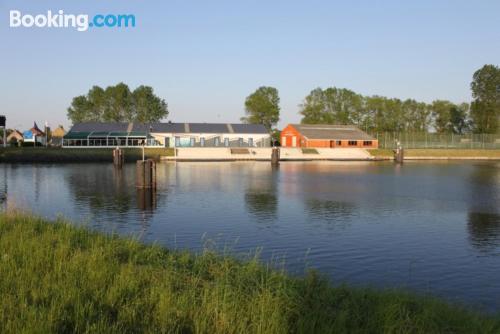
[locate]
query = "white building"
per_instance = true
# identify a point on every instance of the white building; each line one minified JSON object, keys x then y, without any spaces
{"x":92,"y":134}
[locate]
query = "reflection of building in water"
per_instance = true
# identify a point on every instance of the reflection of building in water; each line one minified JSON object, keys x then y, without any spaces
{"x":261,"y":193}
{"x":103,"y":188}
{"x":484,"y":231}
{"x":483,"y":222}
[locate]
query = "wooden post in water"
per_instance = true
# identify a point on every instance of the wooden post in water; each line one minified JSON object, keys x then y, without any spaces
{"x":399,"y":153}
{"x":275,"y":156}
{"x":145,"y":174}
{"x":118,"y":157}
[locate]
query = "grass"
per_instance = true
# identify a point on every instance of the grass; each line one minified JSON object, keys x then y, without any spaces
{"x":446,"y":153}
{"x":59,"y":278}
{"x":309,"y":151}
{"x":42,"y":154}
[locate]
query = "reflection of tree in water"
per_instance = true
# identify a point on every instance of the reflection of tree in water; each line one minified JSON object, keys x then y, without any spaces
{"x":261,"y":199}
{"x":102,"y":188}
{"x":330,"y":212}
{"x":484,"y":230}
{"x":483,"y":222}
{"x":3,"y":187}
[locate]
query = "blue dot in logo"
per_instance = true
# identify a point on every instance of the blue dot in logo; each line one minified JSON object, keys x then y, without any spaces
{"x":91,"y":24}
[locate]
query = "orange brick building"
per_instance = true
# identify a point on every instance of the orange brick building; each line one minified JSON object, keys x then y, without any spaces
{"x":326,"y":135}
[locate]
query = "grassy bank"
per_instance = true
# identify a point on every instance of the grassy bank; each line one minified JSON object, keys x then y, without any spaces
{"x":58,"y":278}
{"x":42,"y":154}
{"x":439,"y":153}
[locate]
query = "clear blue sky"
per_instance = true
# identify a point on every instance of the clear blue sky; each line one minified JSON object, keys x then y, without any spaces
{"x":205,"y":57}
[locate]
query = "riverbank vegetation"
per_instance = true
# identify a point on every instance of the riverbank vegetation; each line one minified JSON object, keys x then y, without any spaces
{"x":61,"y":278}
{"x":42,"y":154}
{"x":440,"y":153}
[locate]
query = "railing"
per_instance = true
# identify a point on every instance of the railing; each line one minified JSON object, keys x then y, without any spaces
{"x":436,"y":140}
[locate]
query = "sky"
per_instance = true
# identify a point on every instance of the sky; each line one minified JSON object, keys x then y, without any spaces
{"x":205,"y":57}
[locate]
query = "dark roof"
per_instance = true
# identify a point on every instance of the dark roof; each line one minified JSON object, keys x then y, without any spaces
{"x":99,"y":127}
{"x":331,"y":132}
{"x":168,"y":128}
{"x":249,"y":128}
{"x":208,"y":128}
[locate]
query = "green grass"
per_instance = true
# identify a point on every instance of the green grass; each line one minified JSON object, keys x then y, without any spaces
{"x":309,"y":151}
{"x":42,"y":154}
{"x":59,"y":278}
{"x":447,"y":153}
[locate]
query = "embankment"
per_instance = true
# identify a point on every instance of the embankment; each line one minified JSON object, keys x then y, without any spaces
{"x":60,"y":278}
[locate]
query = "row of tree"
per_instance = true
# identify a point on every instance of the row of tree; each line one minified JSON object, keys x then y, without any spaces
{"x":378,"y":113}
{"x":118,"y":104}
{"x":328,"y":106}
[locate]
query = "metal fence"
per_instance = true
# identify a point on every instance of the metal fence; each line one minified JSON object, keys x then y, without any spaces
{"x":435,"y":140}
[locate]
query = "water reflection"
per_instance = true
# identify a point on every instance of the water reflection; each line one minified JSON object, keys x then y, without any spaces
{"x":332,"y":213}
{"x":146,"y":199}
{"x":483,"y":218}
{"x":261,"y":193}
{"x":484,"y":231}
{"x":109,"y":189}
{"x":3,"y":189}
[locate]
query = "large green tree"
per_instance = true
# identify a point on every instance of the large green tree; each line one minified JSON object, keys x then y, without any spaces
{"x":118,"y":104}
{"x":333,"y":106}
{"x":485,"y":109}
{"x":262,"y":107}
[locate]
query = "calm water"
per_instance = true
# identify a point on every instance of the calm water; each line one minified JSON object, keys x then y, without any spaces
{"x":430,"y":227}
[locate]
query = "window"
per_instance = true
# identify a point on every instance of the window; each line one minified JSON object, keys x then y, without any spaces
{"x":202,"y":141}
{"x":250,"y":142}
{"x":226,"y":142}
{"x":240,"y":142}
{"x":367,"y":143}
{"x":191,"y":141}
{"x":339,"y":142}
{"x":177,"y":141}
{"x":216,"y":141}
{"x":352,"y":143}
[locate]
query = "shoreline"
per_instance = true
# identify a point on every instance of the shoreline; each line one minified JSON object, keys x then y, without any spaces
{"x":61,"y":277}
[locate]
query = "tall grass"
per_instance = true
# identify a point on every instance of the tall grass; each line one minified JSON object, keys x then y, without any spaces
{"x":55,"y":277}
{"x":42,"y":154}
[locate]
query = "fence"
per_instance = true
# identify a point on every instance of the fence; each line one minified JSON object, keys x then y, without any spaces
{"x":435,"y":140}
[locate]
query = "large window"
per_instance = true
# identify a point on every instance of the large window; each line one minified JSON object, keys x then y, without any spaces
{"x":352,"y":143}
{"x":367,"y":143}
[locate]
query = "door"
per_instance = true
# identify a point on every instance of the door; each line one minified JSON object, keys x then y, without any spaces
{"x":294,"y":141}
{"x":167,"y":141}
{"x":332,"y":143}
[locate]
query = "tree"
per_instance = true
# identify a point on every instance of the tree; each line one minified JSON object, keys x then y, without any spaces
{"x":262,"y":107}
{"x":485,"y":109}
{"x":333,"y":106}
{"x":148,"y":107}
{"x":118,"y":104}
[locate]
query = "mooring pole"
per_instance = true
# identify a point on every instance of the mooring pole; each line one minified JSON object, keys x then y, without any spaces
{"x":275,"y":156}
{"x":145,"y":174}
{"x":399,"y":153}
{"x":118,"y":157}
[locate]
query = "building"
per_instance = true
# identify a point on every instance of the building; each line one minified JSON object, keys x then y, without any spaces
{"x":15,"y":138}
{"x":56,"y":136}
{"x":324,"y":135}
{"x":92,"y":134}
{"x":34,"y":135}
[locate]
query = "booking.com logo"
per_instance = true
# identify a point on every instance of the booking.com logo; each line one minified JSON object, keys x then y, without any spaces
{"x":80,"y":22}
